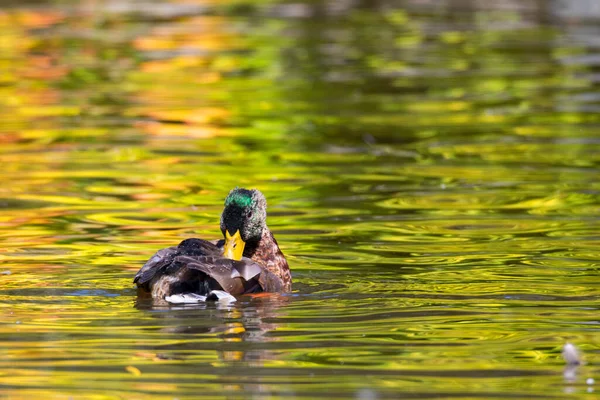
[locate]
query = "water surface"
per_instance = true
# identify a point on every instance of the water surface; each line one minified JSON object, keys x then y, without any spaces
{"x":432,"y":176}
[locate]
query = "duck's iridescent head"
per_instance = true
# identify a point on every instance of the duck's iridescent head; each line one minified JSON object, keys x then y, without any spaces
{"x":243,"y":220}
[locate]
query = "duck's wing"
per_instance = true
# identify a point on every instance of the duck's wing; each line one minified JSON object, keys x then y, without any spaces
{"x":198,"y":247}
{"x":162,"y":259}
{"x":247,"y":268}
{"x":235,"y":277}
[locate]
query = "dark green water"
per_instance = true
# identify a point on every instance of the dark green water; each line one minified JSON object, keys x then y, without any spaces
{"x":432,"y":171}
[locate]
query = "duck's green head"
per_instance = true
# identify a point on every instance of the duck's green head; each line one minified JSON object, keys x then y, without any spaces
{"x":243,"y":220}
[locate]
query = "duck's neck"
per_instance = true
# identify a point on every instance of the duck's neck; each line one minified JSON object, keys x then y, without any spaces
{"x":264,"y":247}
{"x":266,"y":252}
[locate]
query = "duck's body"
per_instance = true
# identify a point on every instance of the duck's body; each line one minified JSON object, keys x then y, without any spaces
{"x":248,"y":260}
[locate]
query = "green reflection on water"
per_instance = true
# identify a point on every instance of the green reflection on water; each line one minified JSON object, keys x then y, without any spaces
{"x":431,"y":175}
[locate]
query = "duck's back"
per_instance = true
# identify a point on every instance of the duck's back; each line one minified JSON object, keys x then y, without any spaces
{"x":196,"y":266}
{"x":163,"y":262}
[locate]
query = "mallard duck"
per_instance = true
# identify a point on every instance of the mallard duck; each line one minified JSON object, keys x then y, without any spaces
{"x":247,"y":260}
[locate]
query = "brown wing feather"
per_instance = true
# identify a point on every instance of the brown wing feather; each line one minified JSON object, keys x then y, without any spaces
{"x":247,"y":268}
{"x":231,"y":275}
{"x":162,"y":258}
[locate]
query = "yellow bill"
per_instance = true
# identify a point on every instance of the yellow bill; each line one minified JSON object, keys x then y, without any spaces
{"x":234,"y":246}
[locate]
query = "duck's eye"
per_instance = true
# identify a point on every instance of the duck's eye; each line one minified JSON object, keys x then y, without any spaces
{"x":249,"y":215}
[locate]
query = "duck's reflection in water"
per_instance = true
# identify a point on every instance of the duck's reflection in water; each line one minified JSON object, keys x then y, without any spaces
{"x":236,"y":331}
{"x":227,"y":348}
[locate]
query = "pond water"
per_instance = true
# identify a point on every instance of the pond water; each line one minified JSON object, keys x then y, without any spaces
{"x":432,"y":172}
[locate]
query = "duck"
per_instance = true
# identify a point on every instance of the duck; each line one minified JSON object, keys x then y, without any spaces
{"x":246,"y":260}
